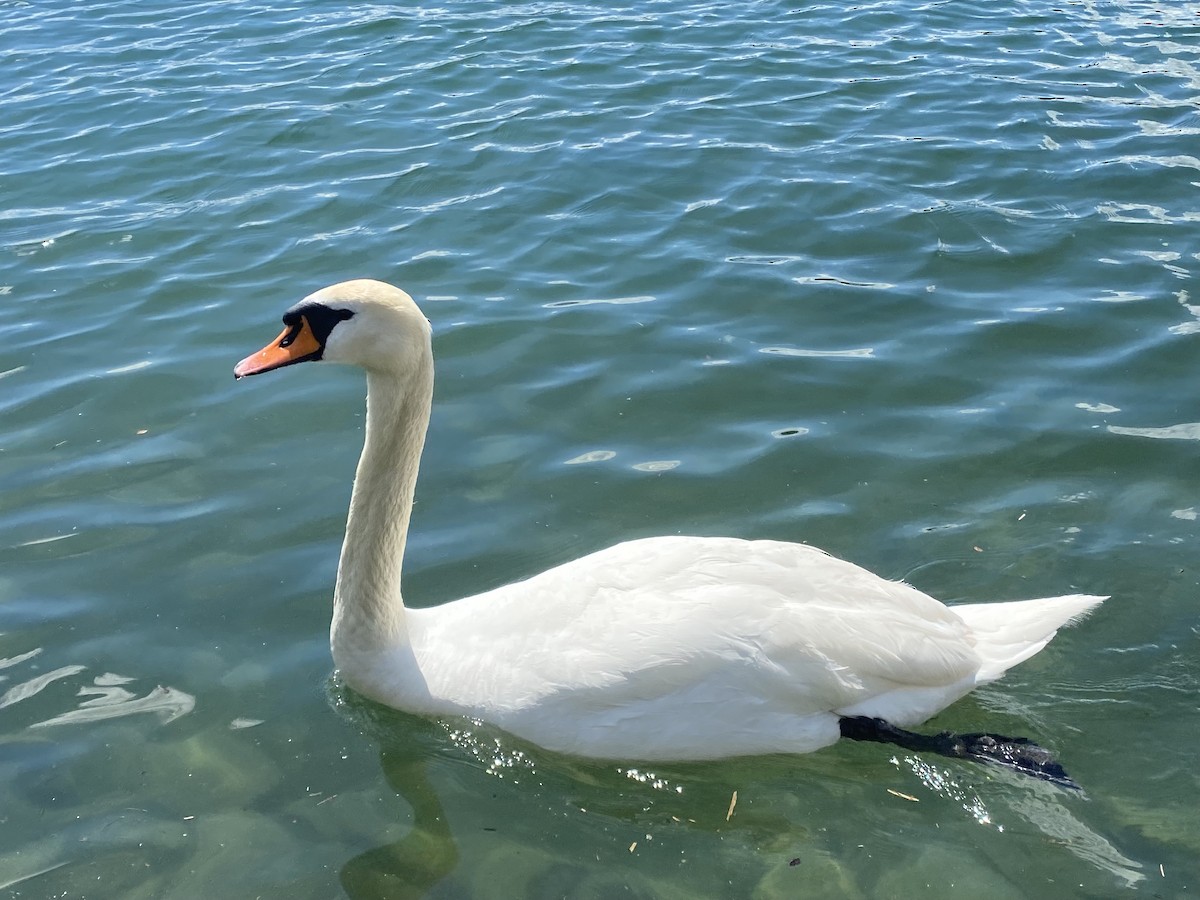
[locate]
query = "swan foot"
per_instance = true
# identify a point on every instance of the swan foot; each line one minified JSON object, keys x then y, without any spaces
{"x":1020,"y":754}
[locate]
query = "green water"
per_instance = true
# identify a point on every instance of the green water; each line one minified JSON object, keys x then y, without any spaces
{"x":911,"y":282}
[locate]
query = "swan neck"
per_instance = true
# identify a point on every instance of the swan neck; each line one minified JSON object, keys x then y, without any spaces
{"x":368,"y":606}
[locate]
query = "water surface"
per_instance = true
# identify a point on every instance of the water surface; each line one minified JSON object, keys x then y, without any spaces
{"x":911,"y":282}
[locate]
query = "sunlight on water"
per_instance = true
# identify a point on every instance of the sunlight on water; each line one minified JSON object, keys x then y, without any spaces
{"x":941,"y":782}
{"x":498,"y":759}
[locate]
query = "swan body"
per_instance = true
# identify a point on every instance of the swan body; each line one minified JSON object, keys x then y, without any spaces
{"x":665,"y":648}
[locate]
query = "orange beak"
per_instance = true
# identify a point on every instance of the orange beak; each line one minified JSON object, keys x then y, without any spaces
{"x":295,"y":344}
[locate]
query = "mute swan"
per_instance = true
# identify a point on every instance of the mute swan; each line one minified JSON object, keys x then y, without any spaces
{"x":666,"y":648}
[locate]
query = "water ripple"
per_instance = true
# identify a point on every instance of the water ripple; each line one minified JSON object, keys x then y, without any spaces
{"x":653,"y":240}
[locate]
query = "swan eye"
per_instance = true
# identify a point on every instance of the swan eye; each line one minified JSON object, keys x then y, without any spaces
{"x":290,"y":337}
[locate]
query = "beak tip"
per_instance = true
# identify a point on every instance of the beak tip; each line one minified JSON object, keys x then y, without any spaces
{"x":251,"y":365}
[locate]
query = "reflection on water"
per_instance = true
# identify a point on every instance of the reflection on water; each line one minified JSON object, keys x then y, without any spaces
{"x":1187,"y":431}
{"x":108,"y":698}
{"x":409,"y":867}
{"x":111,"y":701}
{"x":1042,"y":805}
{"x":683,"y":820}
{"x":1050,"y":813}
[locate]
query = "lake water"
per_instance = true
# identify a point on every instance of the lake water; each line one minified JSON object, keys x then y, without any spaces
{"x":913,"y":282}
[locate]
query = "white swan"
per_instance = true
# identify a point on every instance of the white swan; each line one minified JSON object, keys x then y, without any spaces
{"x":667,"y":648}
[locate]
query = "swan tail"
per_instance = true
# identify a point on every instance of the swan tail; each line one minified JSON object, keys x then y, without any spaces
{"x":1010,"y":633}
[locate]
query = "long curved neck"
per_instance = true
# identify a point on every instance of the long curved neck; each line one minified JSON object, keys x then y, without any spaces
{"x":368,"y":612}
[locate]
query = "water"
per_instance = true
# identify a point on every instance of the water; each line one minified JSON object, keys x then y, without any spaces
{"x":909,"y":282}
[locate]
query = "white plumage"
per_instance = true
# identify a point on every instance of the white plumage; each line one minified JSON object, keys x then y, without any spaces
{"x":668,"y":648}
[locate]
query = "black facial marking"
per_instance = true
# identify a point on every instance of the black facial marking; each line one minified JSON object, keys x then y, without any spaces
{"x":321,"y":320}
{"x":293,"y":330}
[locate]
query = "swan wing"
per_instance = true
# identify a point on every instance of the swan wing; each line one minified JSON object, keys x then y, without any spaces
{"x":714,"y":621}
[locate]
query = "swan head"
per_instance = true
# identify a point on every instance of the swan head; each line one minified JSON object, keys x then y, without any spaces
{"x":365,"y":323}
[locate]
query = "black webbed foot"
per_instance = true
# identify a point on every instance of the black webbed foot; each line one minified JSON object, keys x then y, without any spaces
{"x":1020,"y":754}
